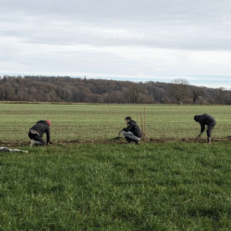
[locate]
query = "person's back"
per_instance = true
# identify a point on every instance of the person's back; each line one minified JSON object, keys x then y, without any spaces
{"x":206,"y":119}
{"x":41,"y":127}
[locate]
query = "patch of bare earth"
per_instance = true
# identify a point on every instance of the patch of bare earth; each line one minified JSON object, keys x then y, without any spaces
{"x":116,"y":140}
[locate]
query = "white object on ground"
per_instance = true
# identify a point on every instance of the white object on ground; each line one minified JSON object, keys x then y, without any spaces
{"x":5,"y":149}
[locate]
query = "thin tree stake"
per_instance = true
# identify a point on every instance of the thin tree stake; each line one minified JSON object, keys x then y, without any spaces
{"x":145,"y":128}
{"x":142,"y":128}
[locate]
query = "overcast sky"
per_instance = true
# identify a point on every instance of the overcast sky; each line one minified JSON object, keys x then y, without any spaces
{"x":148,"y":40}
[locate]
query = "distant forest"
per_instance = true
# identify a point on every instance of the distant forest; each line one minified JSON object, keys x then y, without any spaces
{"x":83,"y":90}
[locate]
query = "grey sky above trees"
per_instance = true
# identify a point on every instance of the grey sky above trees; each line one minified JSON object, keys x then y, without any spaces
{"x":125,"y":40}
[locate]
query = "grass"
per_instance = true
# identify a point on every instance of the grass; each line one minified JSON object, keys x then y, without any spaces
{"x":174,"y":186}
{"x":105,"y":121}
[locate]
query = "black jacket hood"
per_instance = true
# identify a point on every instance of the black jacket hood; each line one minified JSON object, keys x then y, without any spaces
{"x":196,"y":118}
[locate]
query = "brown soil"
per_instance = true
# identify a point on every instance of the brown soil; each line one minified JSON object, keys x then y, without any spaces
{"x":16,"y":143}
{"x":186,"y":140}
{"x":11,"y":143}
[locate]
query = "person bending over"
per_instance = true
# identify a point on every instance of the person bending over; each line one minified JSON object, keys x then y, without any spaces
{"x":132,"y":132}
{"x":36,"y":133}
{"x":208,"y":120}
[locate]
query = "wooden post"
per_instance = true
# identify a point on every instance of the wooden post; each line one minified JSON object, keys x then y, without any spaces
{"x":145,"y":128}
{"x":142,"y":128}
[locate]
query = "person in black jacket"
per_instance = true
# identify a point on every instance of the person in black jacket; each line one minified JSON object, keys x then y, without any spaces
{"x":36,"y":133}
{"x":132,"y":131}
{"x":208,"y":120}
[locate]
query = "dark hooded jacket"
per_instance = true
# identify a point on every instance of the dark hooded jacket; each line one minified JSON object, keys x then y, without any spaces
{"x":205,"y":119}
{"x":42,"y":127}
{"x":133,"y":127}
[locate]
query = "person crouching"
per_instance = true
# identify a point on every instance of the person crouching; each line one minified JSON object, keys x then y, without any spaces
{"x":132,"y":132}
{"x":36,"y":133}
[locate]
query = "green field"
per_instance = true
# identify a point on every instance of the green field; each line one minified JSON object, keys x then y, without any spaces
{"x":153,"y":186}
{"x":105,"y":121}
{"x":117,"y":187}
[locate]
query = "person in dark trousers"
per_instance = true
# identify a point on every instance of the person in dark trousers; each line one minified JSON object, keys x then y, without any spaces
{"x":36,"y":133}
{"x":132,"y":132}
{"x":208,"y":120}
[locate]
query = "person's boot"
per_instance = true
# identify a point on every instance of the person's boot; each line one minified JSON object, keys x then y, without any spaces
{"x":136,"y":142}
{"x":35,"y":143}
{"x":128,"y":140}
{"x":209,"y":140}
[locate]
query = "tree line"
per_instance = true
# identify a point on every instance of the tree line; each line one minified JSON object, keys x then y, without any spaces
{"x":83,"y":90}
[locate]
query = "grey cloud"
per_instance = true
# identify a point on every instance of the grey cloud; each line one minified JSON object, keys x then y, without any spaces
{"x":165,"y":34}
{"x":164,"y":23}
{"x":121,"y":10}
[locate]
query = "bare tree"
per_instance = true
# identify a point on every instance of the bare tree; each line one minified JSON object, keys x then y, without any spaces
{"x":221,"y":95}
{"x":66,"y":89}
{"x":228,"y":98}
{"x":179,"y":89}
{"x":133,"y":93}
{"x":196,"y":92}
